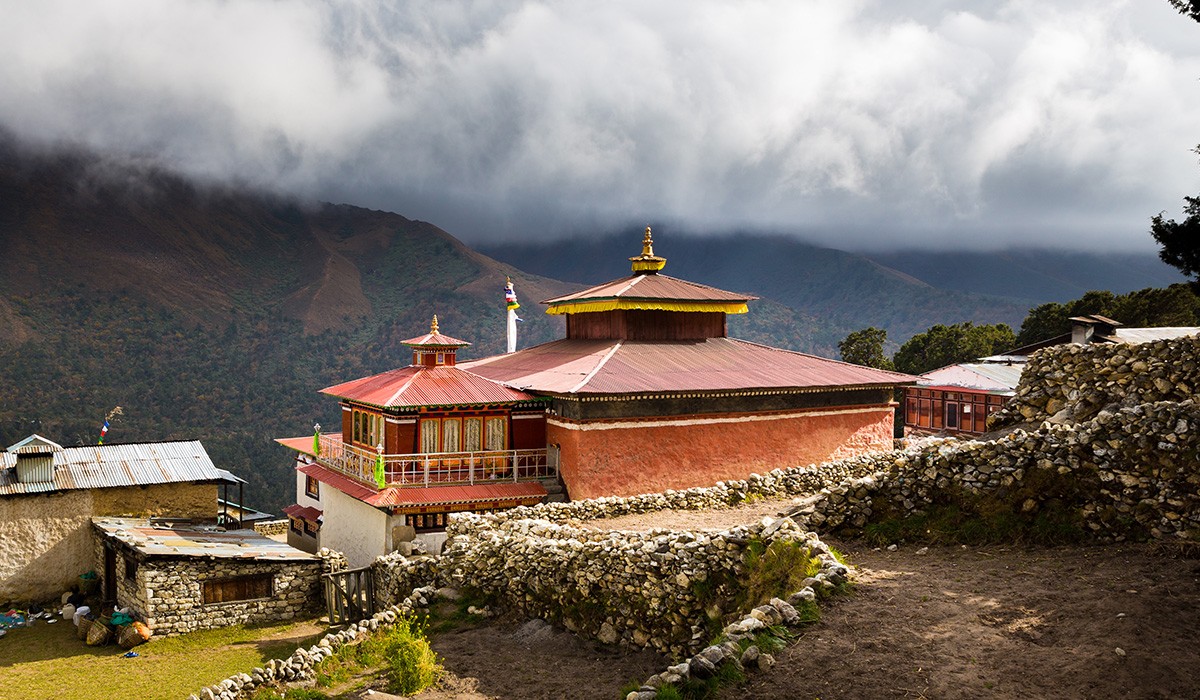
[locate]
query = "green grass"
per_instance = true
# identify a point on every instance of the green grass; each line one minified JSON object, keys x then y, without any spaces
{"x":952,"y":524}
{"x":47,"y":661}
{"x":774,"y":570}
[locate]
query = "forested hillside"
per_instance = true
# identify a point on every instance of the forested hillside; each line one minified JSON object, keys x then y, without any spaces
{"x":216,"y":314}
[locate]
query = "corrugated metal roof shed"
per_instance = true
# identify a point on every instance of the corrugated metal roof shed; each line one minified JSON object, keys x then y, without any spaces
{"x":178,"y":540}
{"x":425,"y":386}
{"x":999,"y":378}
{"x":1146,"y":335}
{"x":574,"y":366}
{"x":111,"y":466}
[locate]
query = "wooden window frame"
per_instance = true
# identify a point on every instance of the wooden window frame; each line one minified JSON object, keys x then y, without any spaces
{"x":238,"y":589}
{"x":312,"y":487}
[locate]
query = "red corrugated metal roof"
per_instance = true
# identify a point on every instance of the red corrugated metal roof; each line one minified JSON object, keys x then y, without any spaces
{"x":526,"y":491}
{"x":425,"y":386}
{"x":303,"y":512}
{"x":426,"y":496}
{"x":652,"y":286}
{"x":436,"y":340}
{"x":622,"y":367}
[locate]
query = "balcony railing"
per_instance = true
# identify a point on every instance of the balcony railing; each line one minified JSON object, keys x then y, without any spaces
{"x":439,"y":468}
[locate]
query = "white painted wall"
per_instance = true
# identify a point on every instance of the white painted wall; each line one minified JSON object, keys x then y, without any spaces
{"x":352,"y":527}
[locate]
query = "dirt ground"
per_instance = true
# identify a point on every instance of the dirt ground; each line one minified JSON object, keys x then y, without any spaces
{"x":946,"y":622}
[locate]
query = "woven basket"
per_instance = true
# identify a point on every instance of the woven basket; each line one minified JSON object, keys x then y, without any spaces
{"x":84,"y":625}
{"x":131,"y":635}
{"x":98,"y":634}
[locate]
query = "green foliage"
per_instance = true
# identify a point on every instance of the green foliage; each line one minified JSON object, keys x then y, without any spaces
{"x":865,"y":347}
{"x":954,"y":524}
{"x":774,"y":570}
{"x":1180,"y":241}
{"x":412,"y":664}
{"x":945,"y":345}
{"x":1176,"y":305}
{"x":402,"y":651}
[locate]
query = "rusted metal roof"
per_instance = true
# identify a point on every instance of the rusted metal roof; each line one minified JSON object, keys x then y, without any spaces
{"x":33,"y":445}
{"x":111,"y":466}
{"x":413,"y":497}
{"x":574,"y":366}
{"x":180,"y":540}
{"x":425,"y":386}
{"x":652,"y":286}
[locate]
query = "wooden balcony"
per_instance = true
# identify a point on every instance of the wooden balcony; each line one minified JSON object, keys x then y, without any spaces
{"x":438,"y":468}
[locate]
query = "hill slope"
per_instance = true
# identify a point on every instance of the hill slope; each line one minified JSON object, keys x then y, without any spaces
{"x":216,"y":314}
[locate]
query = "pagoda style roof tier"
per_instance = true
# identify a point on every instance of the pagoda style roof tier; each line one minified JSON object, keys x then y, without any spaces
{"x":435,"y":339}
{"x":415,"y":385}
{"x":650,"y":292}
{"x":579,"y":366}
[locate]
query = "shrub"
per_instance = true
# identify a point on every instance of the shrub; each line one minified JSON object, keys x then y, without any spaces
{"x":412,"y":664}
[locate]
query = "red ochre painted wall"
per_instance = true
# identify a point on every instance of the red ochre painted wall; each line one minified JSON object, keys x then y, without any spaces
{"x":652,"y":455}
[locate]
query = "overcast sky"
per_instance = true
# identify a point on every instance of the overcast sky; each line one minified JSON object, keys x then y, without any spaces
{"x":859,"y":124}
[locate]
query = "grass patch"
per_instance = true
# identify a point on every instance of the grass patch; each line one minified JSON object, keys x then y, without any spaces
{"x":47,"y":661}
{"x":954,"y":524}
{"x":774,"y":570}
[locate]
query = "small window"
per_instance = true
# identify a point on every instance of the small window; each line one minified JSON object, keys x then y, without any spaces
{"x":428,"y":522}
{"x":240,"y":588}
{"x":296,"y":526}
{"x":441,"y":358}
{"x":312,"y":487}
{"x":131,"y":567}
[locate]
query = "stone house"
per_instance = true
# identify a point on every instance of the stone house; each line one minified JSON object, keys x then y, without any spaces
{"x":49,"y":495}
{"x":181,"y":577}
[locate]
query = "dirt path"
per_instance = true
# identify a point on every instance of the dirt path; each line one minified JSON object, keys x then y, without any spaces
{"x":949,"y":622}
{"x":535,"y":661}
{"x":1001,"y":622}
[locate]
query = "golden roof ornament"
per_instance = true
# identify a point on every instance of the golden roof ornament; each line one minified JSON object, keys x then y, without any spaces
{"x":433,"y":329}
{"x":647,"y":262}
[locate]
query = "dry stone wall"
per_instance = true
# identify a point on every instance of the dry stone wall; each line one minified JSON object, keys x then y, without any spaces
{"x":1072,"y":383}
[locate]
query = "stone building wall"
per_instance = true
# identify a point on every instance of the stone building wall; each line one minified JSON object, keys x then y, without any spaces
{"x":45,"y":539}
{"x":169,"y":593}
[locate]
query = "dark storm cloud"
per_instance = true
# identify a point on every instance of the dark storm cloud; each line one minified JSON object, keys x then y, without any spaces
{"x":863,"y":124}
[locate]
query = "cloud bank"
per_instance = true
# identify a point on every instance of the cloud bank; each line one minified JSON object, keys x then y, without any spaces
{"x":858,"y":124}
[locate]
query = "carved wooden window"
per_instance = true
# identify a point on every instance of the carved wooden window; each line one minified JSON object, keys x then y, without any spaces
{"x":497,"y":433}
{"x":429,"y":435}
{"x":472,"y":434}
{"x":451,"y":434}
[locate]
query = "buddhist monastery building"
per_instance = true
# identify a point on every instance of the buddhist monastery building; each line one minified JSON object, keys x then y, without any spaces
{"x":647,"y":392}
{"x":417,"y":443}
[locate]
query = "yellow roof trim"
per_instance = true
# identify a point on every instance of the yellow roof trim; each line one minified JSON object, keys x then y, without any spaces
{"x":647,"y":305}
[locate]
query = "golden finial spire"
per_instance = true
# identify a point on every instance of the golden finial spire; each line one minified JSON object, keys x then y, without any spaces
{"x":433,"y":329}
{"x":647,"y":262}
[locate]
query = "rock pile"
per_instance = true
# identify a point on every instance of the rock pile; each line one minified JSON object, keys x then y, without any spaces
{"x":1072,"y":383}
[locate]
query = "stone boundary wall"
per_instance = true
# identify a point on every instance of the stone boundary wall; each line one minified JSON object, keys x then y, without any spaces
{"x":1068,"y":383}
{"x":267,"y":528}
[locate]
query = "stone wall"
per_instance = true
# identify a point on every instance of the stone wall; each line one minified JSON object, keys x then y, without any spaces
{"x":1072,"y":383}
{"x":269,"y":528}
{"x":45,"y":539}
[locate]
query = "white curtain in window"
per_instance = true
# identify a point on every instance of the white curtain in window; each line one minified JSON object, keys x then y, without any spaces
{"x":429,"y":435}
{"x":451,"y":432}
{"x":496,"y":429}
{"x":473,"y":435}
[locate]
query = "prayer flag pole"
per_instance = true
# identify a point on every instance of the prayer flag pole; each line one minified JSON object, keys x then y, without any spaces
{"x":510,"y":300}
